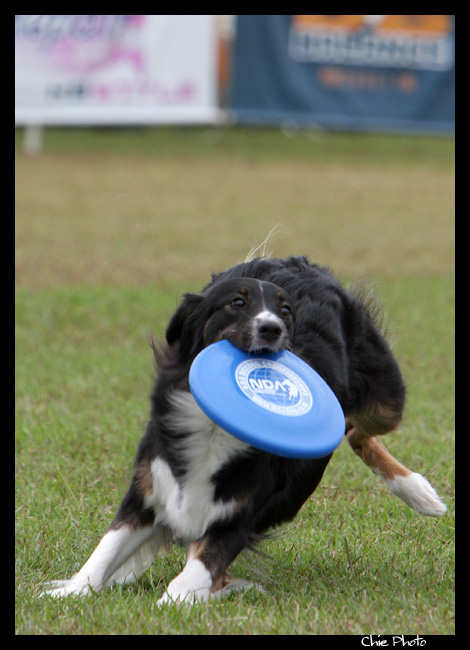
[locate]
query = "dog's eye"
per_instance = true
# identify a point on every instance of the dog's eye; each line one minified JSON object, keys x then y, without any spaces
{"x":238,"y":302}
{"x":285,"y":311}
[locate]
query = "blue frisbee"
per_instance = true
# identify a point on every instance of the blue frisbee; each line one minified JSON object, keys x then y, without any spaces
{"x":274,"y":402}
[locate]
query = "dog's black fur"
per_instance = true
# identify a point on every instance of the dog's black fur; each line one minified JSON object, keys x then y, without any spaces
{"x":263,"y":304}
{"x":331,"y":330}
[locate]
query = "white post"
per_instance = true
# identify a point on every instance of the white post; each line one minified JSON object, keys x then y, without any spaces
{"x":33,"y":138}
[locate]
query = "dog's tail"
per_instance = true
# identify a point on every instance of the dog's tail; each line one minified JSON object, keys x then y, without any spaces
{"x":410,"y":487}
{"x":263,"y":250}
{"x":383,"y":393}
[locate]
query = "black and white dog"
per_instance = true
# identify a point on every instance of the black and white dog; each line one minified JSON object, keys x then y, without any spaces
{"x":196,"y":484}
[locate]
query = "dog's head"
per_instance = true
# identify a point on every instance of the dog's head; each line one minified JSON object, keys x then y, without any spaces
{"x":251,"y":314}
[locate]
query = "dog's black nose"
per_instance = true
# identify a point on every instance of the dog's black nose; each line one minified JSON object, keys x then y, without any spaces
{"x":269,"y":331}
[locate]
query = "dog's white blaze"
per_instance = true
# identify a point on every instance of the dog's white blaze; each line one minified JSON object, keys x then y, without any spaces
{"x":263,"y":317}
{"x":187,"y":506}
{"x":266,"y":315}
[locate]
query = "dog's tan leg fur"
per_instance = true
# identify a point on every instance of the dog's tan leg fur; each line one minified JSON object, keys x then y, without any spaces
{"x":376,"y":456}
{"x":410,"y":487}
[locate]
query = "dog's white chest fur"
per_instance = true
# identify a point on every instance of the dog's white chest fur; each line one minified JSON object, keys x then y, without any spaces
{"x":187,"y":506}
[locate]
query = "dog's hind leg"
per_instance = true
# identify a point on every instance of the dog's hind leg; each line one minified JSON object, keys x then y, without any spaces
{"x":377,"y":399}
{"x":410,"y":487}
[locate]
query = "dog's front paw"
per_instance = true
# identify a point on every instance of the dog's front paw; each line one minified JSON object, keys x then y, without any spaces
{"x":192,"y":585}
{"x":173,"y":597}
{"x":62,"y":588}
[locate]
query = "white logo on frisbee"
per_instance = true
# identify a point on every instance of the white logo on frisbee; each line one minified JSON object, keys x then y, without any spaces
{"x":274,"y":387}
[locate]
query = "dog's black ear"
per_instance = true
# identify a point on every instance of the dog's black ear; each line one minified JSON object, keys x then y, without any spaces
{"x":182,"y":323}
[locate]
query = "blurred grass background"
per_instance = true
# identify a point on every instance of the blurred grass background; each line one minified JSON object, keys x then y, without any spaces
{"x":112,"y":226}
{"x":163,"y":206}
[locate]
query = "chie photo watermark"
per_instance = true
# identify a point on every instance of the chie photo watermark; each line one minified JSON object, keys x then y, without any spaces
{"x":399,"y":640}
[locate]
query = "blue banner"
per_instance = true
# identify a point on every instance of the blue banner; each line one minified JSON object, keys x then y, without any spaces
{"x":365,"y":72}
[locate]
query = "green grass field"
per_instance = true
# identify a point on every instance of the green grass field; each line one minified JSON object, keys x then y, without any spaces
{"x":111,"y":228}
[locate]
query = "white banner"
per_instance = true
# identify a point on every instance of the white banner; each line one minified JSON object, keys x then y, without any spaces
{"x":131,"y":69}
